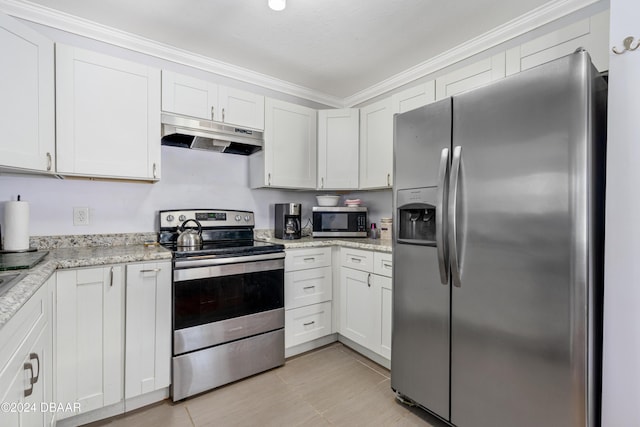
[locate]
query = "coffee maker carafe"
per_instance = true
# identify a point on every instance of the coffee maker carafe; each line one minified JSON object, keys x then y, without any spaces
{"x":288,"y":221}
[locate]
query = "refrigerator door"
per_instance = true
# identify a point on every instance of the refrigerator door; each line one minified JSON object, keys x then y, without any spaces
{"x":519,"y":316}
{"x":421,"y":294}
{"x":419,"y":137}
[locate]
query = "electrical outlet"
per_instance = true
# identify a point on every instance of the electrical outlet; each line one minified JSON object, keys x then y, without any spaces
{"x":80,"y":216}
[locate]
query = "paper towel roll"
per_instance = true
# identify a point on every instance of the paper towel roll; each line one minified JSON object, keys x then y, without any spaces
{"x":16,"y":226}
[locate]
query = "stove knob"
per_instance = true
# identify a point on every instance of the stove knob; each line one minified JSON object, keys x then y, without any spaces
{"x":170,"y":218}
{"x":247,"y":218}
{"x":238,"y":217}
{"x":182,"y":218}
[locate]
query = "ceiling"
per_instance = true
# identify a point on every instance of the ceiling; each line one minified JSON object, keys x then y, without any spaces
{"x":336,"y":47}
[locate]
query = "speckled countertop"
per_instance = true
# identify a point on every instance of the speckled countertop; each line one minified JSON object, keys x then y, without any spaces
{"x":313,"y":242}
{"x":73,"y":257}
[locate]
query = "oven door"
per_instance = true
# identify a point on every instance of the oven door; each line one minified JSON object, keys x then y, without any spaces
{"x":224,"y":299}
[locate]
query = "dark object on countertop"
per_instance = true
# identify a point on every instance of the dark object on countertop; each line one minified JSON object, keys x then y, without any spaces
{"x":20,"y":261}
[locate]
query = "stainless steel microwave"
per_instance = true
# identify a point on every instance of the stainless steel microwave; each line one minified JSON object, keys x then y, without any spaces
{"x":339,"y":221}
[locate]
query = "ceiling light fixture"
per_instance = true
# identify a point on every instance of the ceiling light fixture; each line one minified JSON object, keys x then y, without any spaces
{"x":277,"y":5}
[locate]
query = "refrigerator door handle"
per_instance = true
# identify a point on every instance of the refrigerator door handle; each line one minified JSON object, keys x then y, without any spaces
{"x":441,"y":226}
{"x":456,"y":268}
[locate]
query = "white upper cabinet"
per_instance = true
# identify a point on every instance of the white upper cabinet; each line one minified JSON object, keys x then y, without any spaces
{"x":376,"y":145}
{"x":591,"y":34}
{"x":338,"y":136}
{"x":241,"y":108}
{"x":205,"y":100}
{"x":415,"y":97}
{"x":288,"y":159}
{"x":107,"y":116}
{"x":471,"y":76}
{"x":27,"y":110}
{"x":189,"y":96}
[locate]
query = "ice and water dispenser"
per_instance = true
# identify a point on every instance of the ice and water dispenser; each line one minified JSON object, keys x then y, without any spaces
{"x":417,"y":216}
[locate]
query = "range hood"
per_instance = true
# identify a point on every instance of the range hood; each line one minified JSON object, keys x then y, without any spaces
{"x":189,"y":132}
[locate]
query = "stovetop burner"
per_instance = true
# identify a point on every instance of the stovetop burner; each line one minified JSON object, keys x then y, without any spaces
{"x":225,"y":233}
{"x":233,"y":248}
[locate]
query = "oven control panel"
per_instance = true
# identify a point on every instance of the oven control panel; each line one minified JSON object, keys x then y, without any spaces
{"x":207,"y":218}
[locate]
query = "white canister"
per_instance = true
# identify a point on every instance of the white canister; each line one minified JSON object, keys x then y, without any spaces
{"x":385,"y":228}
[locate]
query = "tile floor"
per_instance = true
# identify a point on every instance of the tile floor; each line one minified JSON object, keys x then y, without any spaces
{"x":329,"y":386}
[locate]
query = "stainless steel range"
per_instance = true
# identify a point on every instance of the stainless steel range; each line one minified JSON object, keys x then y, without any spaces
{"x":228,"y":299}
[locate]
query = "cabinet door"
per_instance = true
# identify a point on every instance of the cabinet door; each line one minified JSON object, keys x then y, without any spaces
{"x":591,"y":34}
{"x":338,"y":136}
{"x":414,"y":97}
{"x":376,"y":145}
{"x":90,"y":337}
{"x":241,"y":108}
{"x":357,"y":318}
{"x":148,"y":328}
{"x":189,"y":96}
{"x":289,"y":145}
{"x":25,"y":376}
{"x":27,"y":108}
{"x":383,"y":303}
{"x":107,"y":116}
{"x":470,"y":77}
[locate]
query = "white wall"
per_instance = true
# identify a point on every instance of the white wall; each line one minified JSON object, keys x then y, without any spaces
{"x":621,"y":358}
{"x":190,"y":179}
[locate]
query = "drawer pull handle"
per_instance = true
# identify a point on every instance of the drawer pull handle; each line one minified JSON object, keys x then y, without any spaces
{"x":309,"y":259}
{"x":309,"y":323}
{"x":34,"y":356}
{"x":308,"y":287}
{"x":29,"y":367}
{"x":385,"y":265}
{"x":356,"y":260}
{"x":152,"y":270}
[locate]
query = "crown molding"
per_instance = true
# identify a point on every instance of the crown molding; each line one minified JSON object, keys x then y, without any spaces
{"x":73,"y":24}
{"x":52,"y":18}
{"x":529,"y":21}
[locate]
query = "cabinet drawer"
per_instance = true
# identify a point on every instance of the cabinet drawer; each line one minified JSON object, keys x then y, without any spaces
{"x":382,"y":263}
{"x":302,"y":259}
{"x":306,"y":323}
{"x":357,"y":258}
{"x":306,"y":287}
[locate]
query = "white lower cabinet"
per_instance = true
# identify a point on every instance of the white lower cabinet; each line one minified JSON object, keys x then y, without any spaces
{"x":308,"y":294}
{"x":26,"y":364}
{"x":109,"y":318}
{"x":90,"y":337}
{"x":148,"y":328}
{"x":366,"y":299}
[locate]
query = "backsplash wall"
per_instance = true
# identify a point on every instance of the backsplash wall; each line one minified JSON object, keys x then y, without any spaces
{"x":190,"y":179}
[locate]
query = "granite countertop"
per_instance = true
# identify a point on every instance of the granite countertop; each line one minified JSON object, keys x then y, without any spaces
{"x":74,"y":257}
{"x":314,"y":242}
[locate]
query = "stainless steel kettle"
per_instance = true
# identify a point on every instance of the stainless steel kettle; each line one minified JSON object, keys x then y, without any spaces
{"x":190,"y":238}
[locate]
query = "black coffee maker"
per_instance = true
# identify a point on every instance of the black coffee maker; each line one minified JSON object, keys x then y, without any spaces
{"x":288,"y":221}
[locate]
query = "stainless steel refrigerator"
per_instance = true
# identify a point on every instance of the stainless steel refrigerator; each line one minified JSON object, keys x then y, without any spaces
{"x":497,"y":250}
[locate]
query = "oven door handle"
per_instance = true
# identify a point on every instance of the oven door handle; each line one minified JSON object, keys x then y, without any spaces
{"x":213,"y":271}
{"x":208,"y":260}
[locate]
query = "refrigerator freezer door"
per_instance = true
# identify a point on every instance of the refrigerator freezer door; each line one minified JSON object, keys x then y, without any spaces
{"x":420,"y":339}
{"x":519,"y":318}
{"x":419,"y":137}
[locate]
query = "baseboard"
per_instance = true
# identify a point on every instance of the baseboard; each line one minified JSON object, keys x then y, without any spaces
{"x":311,"y":345}
{"x":115,"y":409}
{"x":382,"y":361}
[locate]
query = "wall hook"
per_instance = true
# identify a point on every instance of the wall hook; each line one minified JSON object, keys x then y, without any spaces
{"x":627,"y":42}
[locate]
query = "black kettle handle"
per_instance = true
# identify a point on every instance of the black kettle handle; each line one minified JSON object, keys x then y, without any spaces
{"x":181,"y":228}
